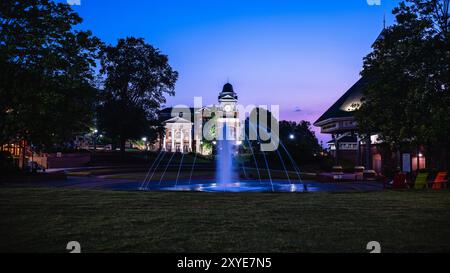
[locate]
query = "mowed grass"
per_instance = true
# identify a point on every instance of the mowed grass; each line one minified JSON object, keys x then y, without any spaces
{"x":44,"y":220}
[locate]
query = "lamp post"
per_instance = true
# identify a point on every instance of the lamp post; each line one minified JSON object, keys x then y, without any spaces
{"x":144,"y":139}
{"x":95,"y":145}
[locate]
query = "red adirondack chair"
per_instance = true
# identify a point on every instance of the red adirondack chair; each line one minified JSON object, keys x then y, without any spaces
{"x":399,"y":181}
{"x":439,"y":181}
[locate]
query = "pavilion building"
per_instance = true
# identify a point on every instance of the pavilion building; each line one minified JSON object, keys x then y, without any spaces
{"x":347,"y":144}
{"x":360,"y":149}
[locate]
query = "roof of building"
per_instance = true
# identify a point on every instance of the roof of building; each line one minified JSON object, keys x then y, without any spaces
{"x":170,"y":110}
{"x":173,"y":112}
{"x":381,"y":36}
{"x":228,"y":88}
{"x":351,"y":100}
{"x":228,"y":93}
{"x":347,"y":104}
{"x":178,"y":120}
{"x":346,"y":139}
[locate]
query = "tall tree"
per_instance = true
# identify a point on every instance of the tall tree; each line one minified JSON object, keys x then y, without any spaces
{"x":300,"y":140}
{"x":408,"y":99}
{"x":46,"y":72}
{"x":137,"y":78}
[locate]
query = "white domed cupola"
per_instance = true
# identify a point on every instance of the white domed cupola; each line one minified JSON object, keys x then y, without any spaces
{"x":228,"y":98}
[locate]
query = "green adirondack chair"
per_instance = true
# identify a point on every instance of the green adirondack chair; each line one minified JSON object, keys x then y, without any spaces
{"x":421,"y":181}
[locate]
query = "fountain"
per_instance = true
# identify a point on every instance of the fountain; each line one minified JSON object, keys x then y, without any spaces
{"x":226,"y":172}
{"x":225,"y":167}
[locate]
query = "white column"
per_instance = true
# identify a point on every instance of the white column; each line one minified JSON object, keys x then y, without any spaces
{"x":190,"y":140}
{"x":182,"y":141}
{"x":173,"y":140}
{"x":164,"y":140}
{"x":198,"y":135}
{"x":238,"y":130}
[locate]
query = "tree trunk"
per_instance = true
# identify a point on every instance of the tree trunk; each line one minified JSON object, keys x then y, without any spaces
{"x":24,"y":148}
{"x":399,"y":158}
{"x":122,"y":148}
{"x":447,"y":158}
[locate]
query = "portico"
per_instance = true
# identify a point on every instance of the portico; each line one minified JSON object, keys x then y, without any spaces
{"x":178,"y":132}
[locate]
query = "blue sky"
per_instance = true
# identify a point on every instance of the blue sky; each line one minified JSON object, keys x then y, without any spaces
{"x":301,"y":54}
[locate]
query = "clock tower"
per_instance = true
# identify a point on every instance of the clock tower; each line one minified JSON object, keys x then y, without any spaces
{"x":227,"y":105}
{"x":228,"y":99}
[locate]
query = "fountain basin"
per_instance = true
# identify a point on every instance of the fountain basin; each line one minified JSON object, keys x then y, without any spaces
{"x":263,"y":186}
{"x":239,"y":186}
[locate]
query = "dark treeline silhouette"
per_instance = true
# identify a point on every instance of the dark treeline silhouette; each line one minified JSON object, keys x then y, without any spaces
{"x":408,"y":100}
{"x":50,"y":89}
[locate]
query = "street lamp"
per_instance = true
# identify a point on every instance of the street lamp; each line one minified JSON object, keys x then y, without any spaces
{"x":95,"y":139}
{"x":95,"y":144}
{"x":291,"y":137}
{"x":144,"y":139}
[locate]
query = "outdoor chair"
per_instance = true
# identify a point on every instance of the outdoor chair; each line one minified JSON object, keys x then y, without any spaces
{"x":399,"y":181}
{"x":421,"y":181}
{"x":440,"y":181}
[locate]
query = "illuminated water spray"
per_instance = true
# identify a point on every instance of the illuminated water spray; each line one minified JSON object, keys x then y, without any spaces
{"x":225,"y":168}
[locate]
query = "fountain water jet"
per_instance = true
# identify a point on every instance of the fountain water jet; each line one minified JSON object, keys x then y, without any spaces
{"x":179,"y":169}
{"x":265,"y":160}
{"x":192,"y":169}
{"x":165,"y":170}
{"x":243,"y":170}
{"x":296,"y":168}
{"x":225,"y":169}
{"x":154,"y":170}
{"x":254,"y":158}
{"x":149,"y":170}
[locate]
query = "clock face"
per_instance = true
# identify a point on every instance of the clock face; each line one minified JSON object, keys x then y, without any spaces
{"x":228,"y":108}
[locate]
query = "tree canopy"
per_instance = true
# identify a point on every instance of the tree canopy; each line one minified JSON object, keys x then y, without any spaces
{"x":46,"y":72}
{"x":408,"y":101}
{"x":137,"y":78}
{"x":300,"y":140}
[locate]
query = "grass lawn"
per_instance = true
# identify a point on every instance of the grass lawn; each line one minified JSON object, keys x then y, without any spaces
{"x":44,"y":220}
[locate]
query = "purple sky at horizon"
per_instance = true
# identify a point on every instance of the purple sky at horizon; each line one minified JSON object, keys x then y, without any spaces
{"x":296,"y":54}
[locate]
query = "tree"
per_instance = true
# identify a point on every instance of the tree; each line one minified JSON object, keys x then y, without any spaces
{"x":300,"y":141}
{"x":407,"y":101}
{"x":111,"y":120}
{"x":137,"y":78}
{"x":46,"y":73}
{"x":297,"y":139}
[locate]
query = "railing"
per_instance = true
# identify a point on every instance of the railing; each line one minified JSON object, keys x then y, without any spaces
{"x":338,"y":126}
